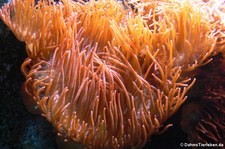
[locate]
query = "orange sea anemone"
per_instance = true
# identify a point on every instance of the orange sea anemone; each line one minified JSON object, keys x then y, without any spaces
{"x":98,"y":99}
{"x":42,"y":26}
{"x":178,"y":31}
{"x":105,"y":75}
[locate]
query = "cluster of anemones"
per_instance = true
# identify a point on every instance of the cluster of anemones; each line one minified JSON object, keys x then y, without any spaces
{"x":107,"y":74}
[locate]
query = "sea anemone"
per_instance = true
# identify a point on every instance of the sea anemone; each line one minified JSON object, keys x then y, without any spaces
{"x":167,"y":28}
{"x":106,"y":75}
{"x":105,"y":104}
{"x":42,"y":26}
